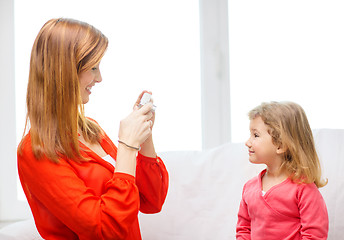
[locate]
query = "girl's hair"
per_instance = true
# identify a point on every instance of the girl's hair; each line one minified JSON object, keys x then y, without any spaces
{"x":63,"y":49}
{"x":290,"y":130}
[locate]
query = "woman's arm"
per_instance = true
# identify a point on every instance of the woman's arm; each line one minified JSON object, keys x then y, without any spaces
{"x":147,"y":148}
{"x":134,"y":130}
{"x":151,"y":173}
{"x":152,"y":181}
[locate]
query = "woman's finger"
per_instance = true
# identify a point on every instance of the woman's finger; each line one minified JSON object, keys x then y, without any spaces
{"x":146,"y":108}
{"x":150,"y":123}
{"x":136,"y":105}
{"x":149,"y":115}
{"x":140,"y":96}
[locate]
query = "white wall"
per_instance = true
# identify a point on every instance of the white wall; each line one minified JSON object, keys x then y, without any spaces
{"x":10,"y":207}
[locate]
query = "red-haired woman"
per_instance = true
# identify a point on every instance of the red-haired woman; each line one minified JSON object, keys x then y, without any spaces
{"x":79,"y":185}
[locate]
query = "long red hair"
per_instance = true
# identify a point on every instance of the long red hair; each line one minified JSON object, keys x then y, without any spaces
{"x":63,"y":49}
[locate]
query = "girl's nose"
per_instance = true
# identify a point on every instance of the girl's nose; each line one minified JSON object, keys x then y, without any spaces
{"x":248,"y":143}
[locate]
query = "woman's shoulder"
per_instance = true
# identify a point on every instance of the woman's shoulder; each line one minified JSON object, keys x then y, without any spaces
{"x":25,"y":155}
{"x":93,"y":120}
{"x":25,"y":144}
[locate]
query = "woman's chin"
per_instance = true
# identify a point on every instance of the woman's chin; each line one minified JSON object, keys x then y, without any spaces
{"x":85,"y":100}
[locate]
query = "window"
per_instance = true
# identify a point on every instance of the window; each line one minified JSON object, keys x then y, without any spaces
{"x":286,"y":50}
{"x":153,"y":45}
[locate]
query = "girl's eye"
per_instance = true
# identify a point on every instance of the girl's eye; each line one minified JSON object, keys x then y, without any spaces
{"x":256,"y":135}
{"x":94,"y":69}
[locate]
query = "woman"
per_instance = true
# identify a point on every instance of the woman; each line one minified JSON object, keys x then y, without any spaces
{"x":79,"y":185}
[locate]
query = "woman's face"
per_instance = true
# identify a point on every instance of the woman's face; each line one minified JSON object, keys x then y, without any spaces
{"x":87,"y":81}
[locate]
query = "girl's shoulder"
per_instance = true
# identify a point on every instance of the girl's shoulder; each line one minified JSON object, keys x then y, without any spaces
{"x":306,"y":189}
{"x":255,"y":181}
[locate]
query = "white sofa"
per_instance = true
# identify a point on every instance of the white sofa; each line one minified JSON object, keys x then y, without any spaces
{"x":205,"y":191}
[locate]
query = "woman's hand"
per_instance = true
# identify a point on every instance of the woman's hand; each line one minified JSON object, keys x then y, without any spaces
{"x":135,"y":130}
{"x":137,"y":127}
{"x":147,"y":147}
{"x":151,"y":101}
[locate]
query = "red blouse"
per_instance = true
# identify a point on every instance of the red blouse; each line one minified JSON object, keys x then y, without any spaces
{"x":88,"y":200}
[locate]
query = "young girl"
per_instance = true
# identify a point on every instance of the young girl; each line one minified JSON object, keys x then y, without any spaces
{"x":283,"y":201}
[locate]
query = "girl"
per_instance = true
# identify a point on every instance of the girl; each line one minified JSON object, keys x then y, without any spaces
{"x":79,"y":185}
{"x":283,"y":201}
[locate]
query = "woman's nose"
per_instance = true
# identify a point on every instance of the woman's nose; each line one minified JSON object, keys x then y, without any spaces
{"x":99,"y":78}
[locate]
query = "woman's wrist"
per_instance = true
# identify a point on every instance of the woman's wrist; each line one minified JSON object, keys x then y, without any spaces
{"x":147,"y":148}
{"x":126,"y":160}
{"x":130,"y":146}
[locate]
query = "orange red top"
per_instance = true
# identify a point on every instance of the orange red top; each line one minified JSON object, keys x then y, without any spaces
{"x":87,"y":200}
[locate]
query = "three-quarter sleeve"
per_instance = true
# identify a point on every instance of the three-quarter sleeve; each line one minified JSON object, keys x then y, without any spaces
{"x":152,"y":181}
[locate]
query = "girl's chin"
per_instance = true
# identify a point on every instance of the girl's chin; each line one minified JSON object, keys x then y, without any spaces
{"x":253,"y":160}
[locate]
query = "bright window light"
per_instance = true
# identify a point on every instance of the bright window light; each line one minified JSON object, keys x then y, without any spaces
{"x":286,"y":50}
{"x":153,"y":45}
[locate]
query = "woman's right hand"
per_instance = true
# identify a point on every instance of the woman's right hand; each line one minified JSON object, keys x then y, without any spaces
{"x":136,"y":127}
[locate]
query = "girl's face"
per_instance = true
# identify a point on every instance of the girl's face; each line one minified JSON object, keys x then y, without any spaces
{"x":87,"y":81}
{"x":260,"y":146}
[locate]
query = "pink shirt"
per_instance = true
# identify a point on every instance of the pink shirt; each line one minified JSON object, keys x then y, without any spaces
{"x":286,"y":211}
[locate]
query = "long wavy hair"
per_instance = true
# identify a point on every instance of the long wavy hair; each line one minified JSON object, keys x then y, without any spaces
{"x":289,"y":128}
{"x":62,"y":50}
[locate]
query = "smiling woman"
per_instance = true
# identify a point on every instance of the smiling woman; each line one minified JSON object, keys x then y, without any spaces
{"x":144,"y":53}
{"x":66,"y":162}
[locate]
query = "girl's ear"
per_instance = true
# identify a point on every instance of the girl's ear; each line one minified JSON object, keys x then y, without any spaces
{"x":281,"y":149}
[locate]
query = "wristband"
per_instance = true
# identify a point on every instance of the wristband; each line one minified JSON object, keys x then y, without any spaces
{"x":135,"y":148}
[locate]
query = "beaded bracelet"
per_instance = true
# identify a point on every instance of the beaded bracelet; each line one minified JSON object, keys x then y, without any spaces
{"x":136,"y":148}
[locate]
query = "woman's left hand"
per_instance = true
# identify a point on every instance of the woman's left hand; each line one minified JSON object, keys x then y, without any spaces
{"x":147,"y":148}
{"x":138,"y":102}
